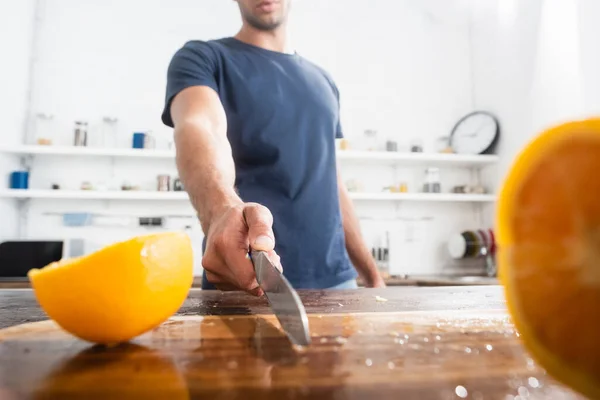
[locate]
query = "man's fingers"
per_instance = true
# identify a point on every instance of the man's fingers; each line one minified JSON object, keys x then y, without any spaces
{"x":241,"y":270}
{"x":260,"y":227}
{"x":275,"y":259}
{"x":212,"y":277}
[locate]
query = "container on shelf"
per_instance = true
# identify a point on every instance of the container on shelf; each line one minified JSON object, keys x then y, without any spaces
{"x":344,"y":144}
{"x":80,"y":134}
{"x":44,"y":129}
{"x":109,"y":132}
{"x":19,"y":180}
{"x":139,"y":140}
{"x":178,"y":185}
{"x":416,"y":145}
{"x":442,"y":145}
{"x":149,"y":141}
{"x":391,"y":145}
{"x":432,"y":181}
{"x":163,"y":183}
{"x":371,"y":142}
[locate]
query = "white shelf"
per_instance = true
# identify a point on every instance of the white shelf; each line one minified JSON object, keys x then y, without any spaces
{"x":87,"y":151}
{"x":92,"y":194}
{"x":418,"y":158}
{"x":424,"y":197}
{"x":147,"y":195}
{"x":439,"y":159}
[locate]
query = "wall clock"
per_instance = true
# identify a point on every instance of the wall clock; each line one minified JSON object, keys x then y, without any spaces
{"x":475,"y":133}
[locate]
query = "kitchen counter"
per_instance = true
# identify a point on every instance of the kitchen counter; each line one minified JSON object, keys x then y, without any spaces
{"x":409,"y":343}
{"x":438,"y":280}
{"x":426,"y":280}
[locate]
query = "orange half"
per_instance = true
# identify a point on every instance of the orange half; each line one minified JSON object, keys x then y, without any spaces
{"x":120,"y":291}
{"x":548,"y":223}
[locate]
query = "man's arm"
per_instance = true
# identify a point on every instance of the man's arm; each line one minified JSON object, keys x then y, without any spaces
{"x":206,"y":167}
{"x":355,"y":245}
{"x":204,"y":156}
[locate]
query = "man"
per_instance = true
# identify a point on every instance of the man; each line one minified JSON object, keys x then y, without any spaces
{"x":254,"y":130}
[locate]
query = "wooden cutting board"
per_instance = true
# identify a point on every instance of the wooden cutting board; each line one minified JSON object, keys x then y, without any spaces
{"x":397,"y":355}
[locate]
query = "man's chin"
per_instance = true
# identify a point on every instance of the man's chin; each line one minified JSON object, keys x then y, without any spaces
{"x":265,"y":24}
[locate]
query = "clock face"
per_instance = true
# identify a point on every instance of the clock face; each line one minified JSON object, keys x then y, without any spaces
{"x":474,"y":134}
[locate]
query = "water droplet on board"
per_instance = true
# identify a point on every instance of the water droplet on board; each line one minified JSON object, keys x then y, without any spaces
{"x":406,"y":337}
{"x":425,"y":340}
{"x":399,"y":341}
{"x":368,"y":362}
{"x":461,"y":391}
{"x":391,"y":365}
{"x":341,"y":340}
{"x":489,"y":347}
{"x":523,"y":391}
{"x":530,"y":362}
{"x":438,"y":337}
{"x":436,"y":350}
{"x":533,"y":382}
{"x":323,"y":340}
{"x":467,"y":350}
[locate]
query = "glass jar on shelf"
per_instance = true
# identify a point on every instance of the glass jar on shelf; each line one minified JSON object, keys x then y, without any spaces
{"x":432,"y":181}
{"x":109,"y":132}
{"x":371,"y":141}
{"x":442,"y":145}
{"x":416,"y":145}
{"x":44,"y":129}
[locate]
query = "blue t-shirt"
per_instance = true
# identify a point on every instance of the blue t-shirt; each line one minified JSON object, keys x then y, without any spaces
{"x":282,"y":120}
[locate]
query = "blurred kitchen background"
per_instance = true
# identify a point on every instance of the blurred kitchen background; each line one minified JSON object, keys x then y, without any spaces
{"x":86,"y":161}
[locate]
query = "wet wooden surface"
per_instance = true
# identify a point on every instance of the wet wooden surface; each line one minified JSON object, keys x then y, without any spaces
{"x":423,"y":343}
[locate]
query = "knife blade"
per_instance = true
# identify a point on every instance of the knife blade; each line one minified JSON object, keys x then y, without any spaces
{"x":284,"y":300}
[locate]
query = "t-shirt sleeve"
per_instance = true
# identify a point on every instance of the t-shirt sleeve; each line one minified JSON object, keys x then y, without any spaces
{"x":339,"y":134}
{"x":195,"y":64}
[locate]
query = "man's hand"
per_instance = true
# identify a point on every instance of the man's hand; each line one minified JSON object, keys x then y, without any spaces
{"x":231,"y":234}
{"x":376,"y":282}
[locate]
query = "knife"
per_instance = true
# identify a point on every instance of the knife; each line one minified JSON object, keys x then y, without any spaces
{"x":283,"y":299}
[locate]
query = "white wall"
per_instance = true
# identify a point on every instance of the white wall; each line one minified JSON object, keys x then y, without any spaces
{"x":16,"y":31}
{"x":403,"y":68}
{"x":536,"y":65}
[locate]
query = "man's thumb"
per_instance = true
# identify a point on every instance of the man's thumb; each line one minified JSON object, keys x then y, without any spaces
{"x":260,"y":227}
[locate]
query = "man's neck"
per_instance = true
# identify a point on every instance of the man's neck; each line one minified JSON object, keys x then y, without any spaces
{"x":275,"y":40}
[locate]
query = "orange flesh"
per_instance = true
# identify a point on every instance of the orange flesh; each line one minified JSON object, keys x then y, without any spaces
{"x":549,"y":228}
{"x":120,"y":291}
